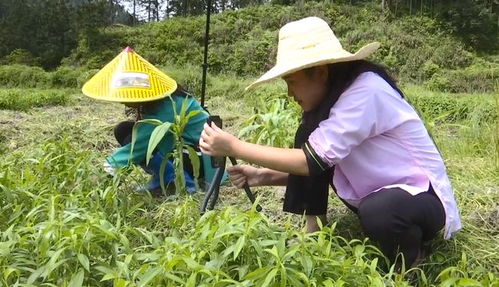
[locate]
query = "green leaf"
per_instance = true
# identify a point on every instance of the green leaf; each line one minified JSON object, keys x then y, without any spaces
{"x":8,"y":271}
{"x":468,"y":282}
{"x":108,"y":276}
{"x":191,"y":282}
{"x":270,"y":277}
{"x":239,"y":246}
{"x":77,"y":279}
{"x":146,"y":278}
{"x":136,"y":128}
{"x":258,"y":273}
{"x":35,"y":275}
{"x":449,"y":282}
{"x":119,"y":282}
{"x":173,"y":278}
{"x":183,"y":109}
{"x":192,"y":114}
{"x":156,"y":136}
{"x":307,"y":264}
{"x":196,"y":163}
{"x":84,"y":261}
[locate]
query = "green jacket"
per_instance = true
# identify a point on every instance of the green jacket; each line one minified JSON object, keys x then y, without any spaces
{"x":164,"y":112}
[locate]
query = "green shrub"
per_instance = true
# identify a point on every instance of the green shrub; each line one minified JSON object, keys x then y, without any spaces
{"x":416,"y":49}
{"x":85,"y":76}
{"x":65,"y":77}
{"x":25,"y":99}
{"x":430,"y":69}
{"x":451,"y":54}
{"x":478,"y":78}
{"x":23,"y":76}
{"x":436,"y":107}
{"x":438,"y":82}
{"x":245,"y":41}
{"x":21,"y":57}
{"x":62,"y":220}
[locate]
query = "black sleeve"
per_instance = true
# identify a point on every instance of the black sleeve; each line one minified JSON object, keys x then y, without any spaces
{"x":315,"y":164}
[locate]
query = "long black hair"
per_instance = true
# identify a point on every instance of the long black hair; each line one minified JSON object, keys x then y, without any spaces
{"x":342,"y":75}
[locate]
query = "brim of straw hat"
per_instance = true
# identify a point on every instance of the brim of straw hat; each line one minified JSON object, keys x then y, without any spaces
{"x":282,"y":70}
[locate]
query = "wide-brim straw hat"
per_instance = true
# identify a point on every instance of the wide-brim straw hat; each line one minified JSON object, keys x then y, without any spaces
{"x":307,"y":43}
{"x":129,"y":78}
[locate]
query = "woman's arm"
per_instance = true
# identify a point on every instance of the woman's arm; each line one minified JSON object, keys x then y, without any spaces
{"x":274,"y":177}
{"x":246,"y":174}
{"x":216,"y":142}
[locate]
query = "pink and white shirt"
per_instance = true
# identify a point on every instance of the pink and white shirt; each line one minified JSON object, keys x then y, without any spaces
{"x":376,"y":140}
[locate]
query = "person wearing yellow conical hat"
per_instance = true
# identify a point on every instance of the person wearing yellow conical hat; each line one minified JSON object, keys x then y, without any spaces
{"x":131,"y":80}
{"x":359,"y":134}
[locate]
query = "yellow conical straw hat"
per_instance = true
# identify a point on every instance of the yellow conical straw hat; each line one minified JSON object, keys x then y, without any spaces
{"x":129,"y":78}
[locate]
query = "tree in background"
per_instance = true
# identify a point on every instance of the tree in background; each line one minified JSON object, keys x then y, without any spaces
{"x":27,"y":36}
{"x":48,"y":30}
{"x":476,"y":22}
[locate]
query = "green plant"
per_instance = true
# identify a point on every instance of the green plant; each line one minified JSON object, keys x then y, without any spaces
{"x":273,"y":126}
{"x":177,"y":129}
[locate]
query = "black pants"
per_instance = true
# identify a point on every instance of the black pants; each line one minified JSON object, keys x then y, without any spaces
{"x":123,"y":132}
{"x":395,"y":219}
{"x":401,"y":222}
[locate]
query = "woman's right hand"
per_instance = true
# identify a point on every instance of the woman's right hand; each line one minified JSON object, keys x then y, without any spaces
{"x":241,"y":174}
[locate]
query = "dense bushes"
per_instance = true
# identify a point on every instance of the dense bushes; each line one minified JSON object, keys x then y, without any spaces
{"x":480,"y":77}
{"x":417,"y":49}
{"x":20,"y":76}
{"x":24,"y":99}
{"x":244,"y":42}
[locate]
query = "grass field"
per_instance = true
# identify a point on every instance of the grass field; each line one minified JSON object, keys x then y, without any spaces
{"x":63,"y":222}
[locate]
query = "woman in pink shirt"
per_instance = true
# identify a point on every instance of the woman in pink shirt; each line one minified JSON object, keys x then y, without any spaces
{"x":359,"y":135}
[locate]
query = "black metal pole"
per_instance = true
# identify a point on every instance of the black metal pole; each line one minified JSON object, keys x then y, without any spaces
{"x":205,"y":62}
{"x":214,"y":189}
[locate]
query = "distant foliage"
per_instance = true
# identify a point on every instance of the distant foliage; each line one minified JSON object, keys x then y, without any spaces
{"x":21,"y":76}
{"x":47,"y":31}
{"x":416,"y":48}
{"x":25,"y":99}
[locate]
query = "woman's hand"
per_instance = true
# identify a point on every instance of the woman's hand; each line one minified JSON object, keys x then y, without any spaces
{"x":216,"y":142}
{"x":242,"y":174}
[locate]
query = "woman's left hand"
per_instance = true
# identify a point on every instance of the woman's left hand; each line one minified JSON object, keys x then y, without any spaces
{"x":216,"y":142}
